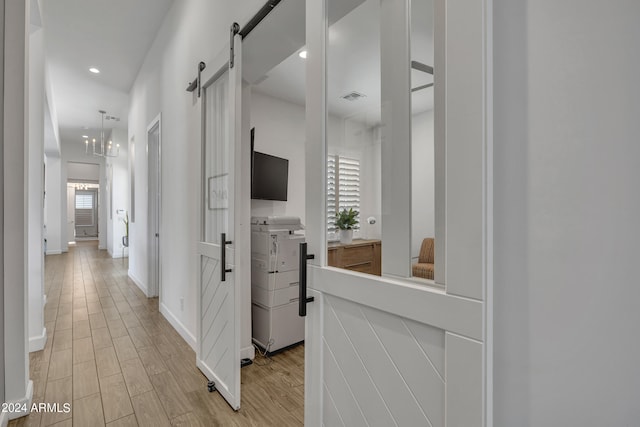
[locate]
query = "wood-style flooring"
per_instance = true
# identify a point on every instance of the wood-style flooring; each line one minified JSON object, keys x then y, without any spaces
{"x":118,"y":362}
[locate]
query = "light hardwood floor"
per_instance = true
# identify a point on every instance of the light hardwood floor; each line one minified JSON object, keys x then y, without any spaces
{"x":115,"y":358}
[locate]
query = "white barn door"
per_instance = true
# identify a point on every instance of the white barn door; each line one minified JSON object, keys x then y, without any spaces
{"x":218,"y":348}
{"x":389,"y":350}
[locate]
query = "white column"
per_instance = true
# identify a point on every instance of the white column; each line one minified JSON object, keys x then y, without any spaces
{"x":18,"y":387}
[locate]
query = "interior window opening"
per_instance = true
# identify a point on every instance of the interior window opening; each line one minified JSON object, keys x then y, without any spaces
{"x":355,"y":140}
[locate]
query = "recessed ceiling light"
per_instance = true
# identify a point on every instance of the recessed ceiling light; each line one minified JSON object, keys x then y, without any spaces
{"x":94,"y":70}
{"x":85,"y":136}
{"x":303,"y":54}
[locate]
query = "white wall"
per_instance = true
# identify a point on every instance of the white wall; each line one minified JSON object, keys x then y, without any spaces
{"x":567,"y":206}
{"x":52,"y":205}
{"x":280,"y":131}
{"x":83,"y":172}
{"x":117,"y":195}
{"x":35,"y":192}
{"x":53,"y":189}
{"x":15,"y":121}
{"x":193,"y":31}
{"x":422,"y":180}
{"x":354,"y":138}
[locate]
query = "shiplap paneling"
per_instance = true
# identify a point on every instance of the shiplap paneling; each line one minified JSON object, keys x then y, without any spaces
{"x":375,"y":369}
{"x":217,"y":324}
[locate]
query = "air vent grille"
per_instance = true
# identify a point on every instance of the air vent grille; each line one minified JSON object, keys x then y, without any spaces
{"x":353,"y":96}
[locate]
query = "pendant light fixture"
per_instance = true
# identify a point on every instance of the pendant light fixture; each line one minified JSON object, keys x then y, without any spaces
{"x":103,"y":149}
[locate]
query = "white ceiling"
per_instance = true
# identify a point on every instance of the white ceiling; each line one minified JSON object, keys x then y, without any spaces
{"x":353,"y":56}
{"x":113,"y":36}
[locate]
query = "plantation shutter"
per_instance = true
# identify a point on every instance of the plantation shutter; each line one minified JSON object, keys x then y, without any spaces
{"x":343,"y":187}
{"x":331,"y":193}
{"x":84,"y":209}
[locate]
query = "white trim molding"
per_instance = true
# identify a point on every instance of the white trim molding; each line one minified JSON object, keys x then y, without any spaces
{"x":138,"y":282}
{"x":248,"y":352}
{"x":54,"y":252}
{"x":178,"y":326}
{"x":38,"y":342}
{"x":22,"y":402}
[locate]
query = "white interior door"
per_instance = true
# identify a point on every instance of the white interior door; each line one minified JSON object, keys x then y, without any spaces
{"x":218,"y":352}
{"x":153,"y":150}
{"x":391,"y":350}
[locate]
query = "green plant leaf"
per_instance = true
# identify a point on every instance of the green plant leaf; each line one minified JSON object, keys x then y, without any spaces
{"x":347,"y":219}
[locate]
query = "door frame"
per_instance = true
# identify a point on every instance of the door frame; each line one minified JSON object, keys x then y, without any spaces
{"x":464,"y":214}
{"x":154,"y":289}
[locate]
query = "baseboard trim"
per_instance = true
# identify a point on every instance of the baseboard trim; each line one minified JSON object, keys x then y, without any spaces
{"x":22,"y":402}
{"x":138,"y":282}
{"x":248,"y":353}
{"x":4,"y":419}
{"x":54,"y":252}
{"x":38,"y":342}
{"x":178,"y":326}
{"x":118,"y":255}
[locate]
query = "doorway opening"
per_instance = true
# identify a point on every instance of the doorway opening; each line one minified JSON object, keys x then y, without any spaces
{"x":83,"y":211}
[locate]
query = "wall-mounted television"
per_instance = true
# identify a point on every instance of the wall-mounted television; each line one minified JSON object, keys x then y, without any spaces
{"x":269,"y":177}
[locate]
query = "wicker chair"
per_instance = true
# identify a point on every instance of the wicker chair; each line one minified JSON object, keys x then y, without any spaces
{"x":424,"y":267}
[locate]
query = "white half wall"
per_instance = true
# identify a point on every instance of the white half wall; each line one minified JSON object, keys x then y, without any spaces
{"x":566,"y":206}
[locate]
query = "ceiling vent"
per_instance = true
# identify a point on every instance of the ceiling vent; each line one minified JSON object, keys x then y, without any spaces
{"x":116,"y":119}
{"x":353,"y":96}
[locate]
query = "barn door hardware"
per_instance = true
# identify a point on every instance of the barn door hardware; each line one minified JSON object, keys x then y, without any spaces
{"x":195,"y":84}
{"x":302,"y":271}
{"x":223,"y":257}
{"x":235,"y":29}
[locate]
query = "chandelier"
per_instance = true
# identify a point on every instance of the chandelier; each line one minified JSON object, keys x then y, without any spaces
{"x":102,"y":149}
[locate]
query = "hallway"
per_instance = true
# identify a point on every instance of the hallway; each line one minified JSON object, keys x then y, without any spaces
{"x":115,"y":358}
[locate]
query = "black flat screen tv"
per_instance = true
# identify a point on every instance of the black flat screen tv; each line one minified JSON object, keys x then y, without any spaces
{"x":269,"y":177}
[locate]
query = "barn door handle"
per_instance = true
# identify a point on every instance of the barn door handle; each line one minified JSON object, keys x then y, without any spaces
{"x":303,"y":300}
{"x":223,"y":257}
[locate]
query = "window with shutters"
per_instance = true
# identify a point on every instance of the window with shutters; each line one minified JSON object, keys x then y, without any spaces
{"x":343,"y":188}
{"x":85,"y":203}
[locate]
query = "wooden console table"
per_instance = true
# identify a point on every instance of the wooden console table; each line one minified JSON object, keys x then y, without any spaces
{"x":361,"y":255}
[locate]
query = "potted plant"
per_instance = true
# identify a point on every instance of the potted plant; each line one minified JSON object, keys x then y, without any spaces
{"x":346,"y":220}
